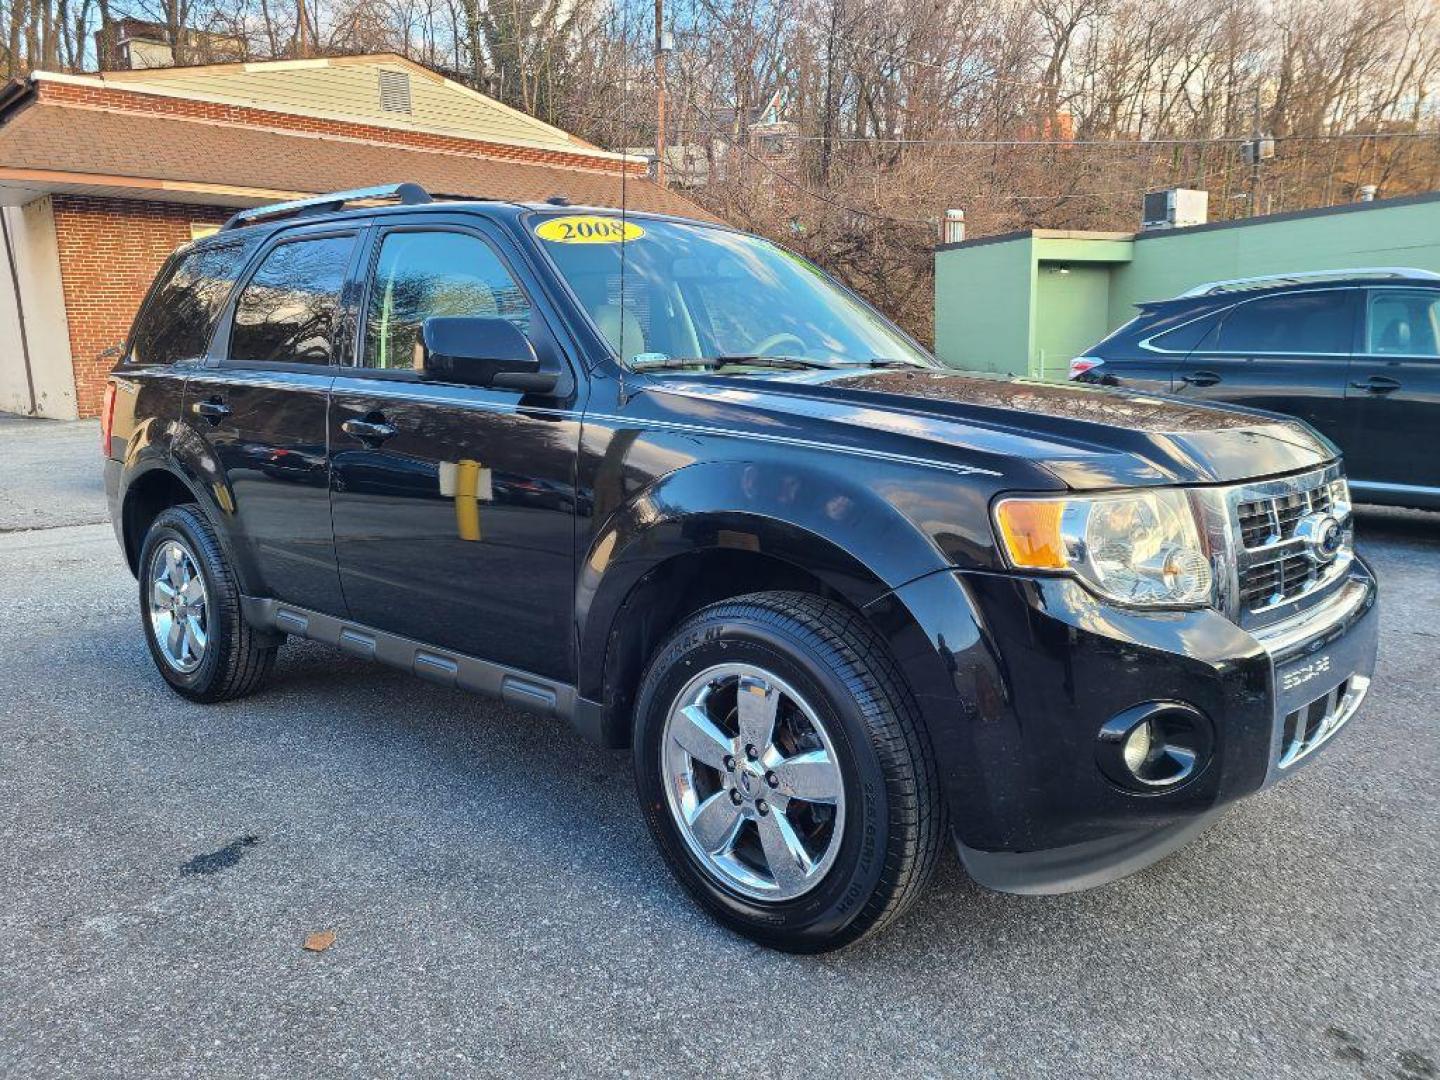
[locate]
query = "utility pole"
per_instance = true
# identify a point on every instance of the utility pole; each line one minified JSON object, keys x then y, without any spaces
{"x":662,"y":46}
{"x":300,"y":29}
{"x":1254,"y":196}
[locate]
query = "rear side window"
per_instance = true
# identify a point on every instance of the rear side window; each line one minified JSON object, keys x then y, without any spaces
{"x":1318,"y":322}
{"x":1189,"y":336}
{"x":1404,"y":323}
{"x":289,"y":309}
{"x":176,"y":322}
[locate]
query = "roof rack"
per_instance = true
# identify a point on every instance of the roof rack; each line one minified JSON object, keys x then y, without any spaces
{"x":406,"y":194}
{"x":1404,"y":273}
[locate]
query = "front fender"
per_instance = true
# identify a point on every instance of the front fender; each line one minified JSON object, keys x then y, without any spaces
{"x":839,"y":531}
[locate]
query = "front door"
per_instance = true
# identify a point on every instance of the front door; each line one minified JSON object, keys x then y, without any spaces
{"x":1394,"y":392}
{"x":1289,"y":353}
{"x":453,"y":506}
{"x":261,"y":411}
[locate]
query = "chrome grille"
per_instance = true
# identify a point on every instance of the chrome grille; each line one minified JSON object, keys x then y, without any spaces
{"x":1277,"y":570}
{"x":1268,"y":521}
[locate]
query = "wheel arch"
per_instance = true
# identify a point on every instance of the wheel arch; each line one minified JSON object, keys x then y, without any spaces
{"x":681,"y":544}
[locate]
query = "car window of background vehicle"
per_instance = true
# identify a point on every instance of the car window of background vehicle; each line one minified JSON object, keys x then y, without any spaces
{"x":420,"y":274}
{"x":1317,"y":322}
{"x":1404,"y":323}
{"x":287,"y":310}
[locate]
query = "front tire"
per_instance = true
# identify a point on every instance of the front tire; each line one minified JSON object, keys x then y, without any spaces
{"x":784,"y":772}
{"x":190,"y":609}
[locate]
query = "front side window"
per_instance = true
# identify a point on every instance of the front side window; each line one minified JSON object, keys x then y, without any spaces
{"x":289,"y":309}
{"x":1318,"y":322}
{"x":176,"y":322}
{"x":1404,"y":323}
{"x":420,"y":274}
{"x":671,"y":289}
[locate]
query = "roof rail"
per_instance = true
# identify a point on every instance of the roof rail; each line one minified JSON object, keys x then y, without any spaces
{"x":1405,"y":273}
{"x":406,"y":194}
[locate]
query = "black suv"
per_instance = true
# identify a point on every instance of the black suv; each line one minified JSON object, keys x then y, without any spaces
{"x":1353,"y":353}
{"x":671,"y":483}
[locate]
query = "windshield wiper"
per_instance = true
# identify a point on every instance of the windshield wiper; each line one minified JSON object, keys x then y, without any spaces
{"x":713,"y":363}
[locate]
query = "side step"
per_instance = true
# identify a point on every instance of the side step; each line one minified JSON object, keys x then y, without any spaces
{"x":517,"y":688}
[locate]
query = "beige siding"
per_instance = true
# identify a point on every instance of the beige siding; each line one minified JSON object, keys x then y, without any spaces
{"x":37,"y":261}
{"x":352,"y":90}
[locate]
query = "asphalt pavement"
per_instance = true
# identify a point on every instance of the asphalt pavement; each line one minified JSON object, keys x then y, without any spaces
{"x":498,"y":907}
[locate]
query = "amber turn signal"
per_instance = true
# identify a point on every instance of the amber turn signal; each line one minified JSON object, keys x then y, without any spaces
{"x":1030,"y":530}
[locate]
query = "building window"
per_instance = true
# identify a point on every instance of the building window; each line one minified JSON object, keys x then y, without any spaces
{"x":395,"y":91}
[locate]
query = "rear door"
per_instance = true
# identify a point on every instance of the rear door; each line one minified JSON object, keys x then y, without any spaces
{"x":169,"y":341}
{"x":1288,"y":352}
{"x":261,"y":410}
{"x":454,"y":505}
{"x":1393,"y":394}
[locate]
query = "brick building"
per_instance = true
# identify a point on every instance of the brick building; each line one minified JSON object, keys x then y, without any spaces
{"x":103,"y":176}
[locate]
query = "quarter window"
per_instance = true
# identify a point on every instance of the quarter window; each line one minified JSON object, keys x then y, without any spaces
{"x":176,"y":322}
{"x":1318,"y":322}
{"x":420,"y":274}
{"x":1404,"y":323}
{"x":289,"y":310}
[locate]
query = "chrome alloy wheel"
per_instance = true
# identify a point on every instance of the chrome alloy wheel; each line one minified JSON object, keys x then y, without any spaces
{"x":178,"y":614}
{"x":753,"y":782}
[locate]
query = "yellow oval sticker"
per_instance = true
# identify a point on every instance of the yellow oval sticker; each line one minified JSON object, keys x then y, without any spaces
{"x":588,"y":229}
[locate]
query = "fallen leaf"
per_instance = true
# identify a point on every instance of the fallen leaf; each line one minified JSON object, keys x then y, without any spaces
{"x":319,"y":941}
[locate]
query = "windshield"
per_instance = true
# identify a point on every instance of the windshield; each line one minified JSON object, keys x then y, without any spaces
{"x":694,"y":292}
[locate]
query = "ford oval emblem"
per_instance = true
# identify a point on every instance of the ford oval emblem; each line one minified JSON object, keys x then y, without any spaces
{"x":1323,"y":535}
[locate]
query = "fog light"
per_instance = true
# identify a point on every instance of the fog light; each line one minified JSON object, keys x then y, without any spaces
{"x":1137,"y":746}
{"x":1154,"y":747}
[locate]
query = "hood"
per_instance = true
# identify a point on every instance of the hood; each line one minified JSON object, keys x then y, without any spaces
{"x":1085,"y":436}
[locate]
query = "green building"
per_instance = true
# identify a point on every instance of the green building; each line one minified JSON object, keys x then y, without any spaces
{"x":1026,"y":302}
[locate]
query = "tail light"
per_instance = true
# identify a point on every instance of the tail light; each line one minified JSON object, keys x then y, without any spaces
{"x":1081,"y":364}
{"x":107,"y":418}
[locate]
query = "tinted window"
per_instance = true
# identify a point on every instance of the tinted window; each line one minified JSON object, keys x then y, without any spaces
{"x":420,"y":274}
{"x":1404,"y":323}
{"x":288,"y":310}
{"x":1298,"y":323}
{"x":1189,"y":336}
{"x":176,"y":322}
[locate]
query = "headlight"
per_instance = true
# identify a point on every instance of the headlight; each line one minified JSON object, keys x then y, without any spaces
{"x":1140,"y":548}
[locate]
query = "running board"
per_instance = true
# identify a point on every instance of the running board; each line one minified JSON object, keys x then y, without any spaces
{"x":520,"y":689}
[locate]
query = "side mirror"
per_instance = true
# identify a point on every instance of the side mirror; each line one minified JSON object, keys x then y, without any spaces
{"x":481,"y":351}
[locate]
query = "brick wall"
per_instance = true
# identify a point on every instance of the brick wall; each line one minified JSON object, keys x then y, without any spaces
{"x":110,"y":250}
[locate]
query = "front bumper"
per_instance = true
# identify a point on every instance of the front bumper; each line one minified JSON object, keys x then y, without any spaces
{"x":1032,"y":811}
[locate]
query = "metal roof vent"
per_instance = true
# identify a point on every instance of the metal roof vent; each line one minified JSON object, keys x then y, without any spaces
{"x":395,"y":91}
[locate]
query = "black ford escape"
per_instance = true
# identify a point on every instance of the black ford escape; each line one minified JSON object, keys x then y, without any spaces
{"x":669,"y":482}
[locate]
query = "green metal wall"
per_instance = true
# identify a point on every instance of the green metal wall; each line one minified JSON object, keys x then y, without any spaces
{"x":1002,"y":305}
{"x":1072,"y":308}
{"x":984,"y":306}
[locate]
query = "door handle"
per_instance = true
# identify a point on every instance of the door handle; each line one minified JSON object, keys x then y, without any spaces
{"x":1376,"y":384}
{"x":213,"y":410}
{"x":370,"y":432}
{"x":1200,"y":378}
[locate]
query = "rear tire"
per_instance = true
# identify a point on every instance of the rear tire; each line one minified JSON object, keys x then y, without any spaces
{"x":846,"y":780}
{"x":190,"y":610}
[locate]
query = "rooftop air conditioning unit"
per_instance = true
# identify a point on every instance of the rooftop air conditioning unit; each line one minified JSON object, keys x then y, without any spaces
{"x":1175,"y":208}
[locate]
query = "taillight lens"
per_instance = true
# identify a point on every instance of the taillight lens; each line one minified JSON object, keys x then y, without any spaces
{"x":1081,"y":364}
{"x":107,"y":418}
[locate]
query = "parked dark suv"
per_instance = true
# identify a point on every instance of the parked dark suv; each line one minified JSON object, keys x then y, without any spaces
{"x":1353,"y":353}
{"x":669,"y":482}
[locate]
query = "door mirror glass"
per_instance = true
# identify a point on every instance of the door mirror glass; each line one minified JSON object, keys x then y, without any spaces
{"x":481,"y":350}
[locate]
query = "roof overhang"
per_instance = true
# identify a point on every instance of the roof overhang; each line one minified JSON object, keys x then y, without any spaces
{"x":21,"y":186}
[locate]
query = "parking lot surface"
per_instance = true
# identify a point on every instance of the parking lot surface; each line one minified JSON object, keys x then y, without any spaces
{"x":498,"y":908}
